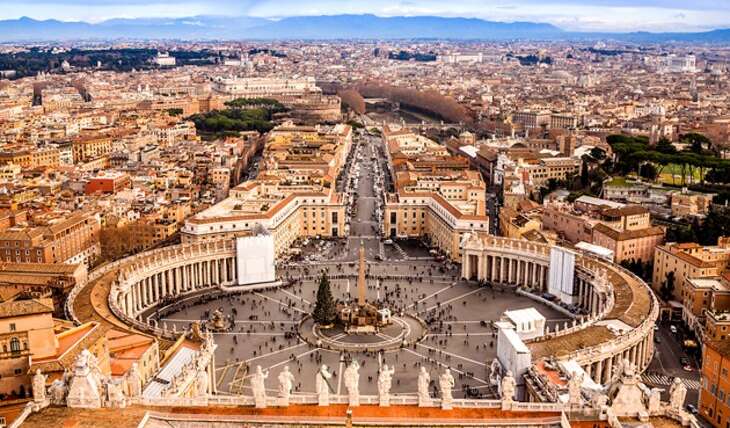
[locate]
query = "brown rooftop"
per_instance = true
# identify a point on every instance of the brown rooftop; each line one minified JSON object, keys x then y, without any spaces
{"x":25,"y":307}
{"x":628,"y":234}
{"x":624,"y":211}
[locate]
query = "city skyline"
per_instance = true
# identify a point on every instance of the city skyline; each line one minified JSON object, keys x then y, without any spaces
{"x":571,"y":15}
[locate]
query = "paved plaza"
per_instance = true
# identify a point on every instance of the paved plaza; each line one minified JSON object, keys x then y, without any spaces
{"x":457,"y":315}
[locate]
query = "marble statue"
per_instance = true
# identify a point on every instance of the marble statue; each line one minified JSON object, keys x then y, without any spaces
{"x":84,"y":390}
{"x":508,"y":387}
{"x":258,"y":386}
{"x":495,"y":372}
{"x":424,"y":379}
{"x":217,"y":320}
{"x":385,"y":381}
{"x":202,"y":380}
{"x":39,"y":387}
{"x":446,"y":384}
{"x":115,"y":395}
{"x":574,"y":390}
{"x":677,"y":394}
{"x":629,"y":369}
{"x":57,"y":391}
{"x":322,"y":385}
{"x":352,"y":383}
{"x":655,"y":401}
{"x":134,"y":381}
{"x":599,"y":400}
{"x":627,"y":393}
{"x":286,"y":382}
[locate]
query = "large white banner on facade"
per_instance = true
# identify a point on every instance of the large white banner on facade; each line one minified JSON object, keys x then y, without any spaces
{"x":255,"y":259}
{"x":562,"y":272}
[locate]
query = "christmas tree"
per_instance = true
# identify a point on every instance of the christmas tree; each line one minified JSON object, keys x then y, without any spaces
{"x":324,"y":309}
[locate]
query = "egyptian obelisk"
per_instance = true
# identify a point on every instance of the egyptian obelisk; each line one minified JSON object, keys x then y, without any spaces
{"x":361,"y":277}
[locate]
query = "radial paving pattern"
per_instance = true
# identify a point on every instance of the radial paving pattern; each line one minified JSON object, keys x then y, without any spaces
{"x":457,"y":316}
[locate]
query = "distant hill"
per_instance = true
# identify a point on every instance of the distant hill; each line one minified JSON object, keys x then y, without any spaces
{"x":323,"y":28}
{"x":374,"y":27}
{"x":305,"y":27}
{"x":198,"y":27}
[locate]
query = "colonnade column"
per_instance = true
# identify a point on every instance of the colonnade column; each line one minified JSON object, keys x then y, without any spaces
{"x":598,"y":376}
{"x":609,"y":370}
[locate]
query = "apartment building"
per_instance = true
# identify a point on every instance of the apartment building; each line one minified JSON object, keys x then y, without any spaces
{"x":687,"y":261}
{"x":437,"y":196}
{"x":702,"y":295}
{"x":546,"y":119}
{"x":86,"y":148}
{"x":294,"y":196}
{"x":514,"y":224}
{"x":31,"y":157}
{"x":717,"y":322}
{"x":572,"y":226}
{"x":26,"y":331}
{"x":107,"y":182}
{"x":714,"y":401}
{"x":72,"y":239}
{"x":626,"y":230}
{"x":263,"y":87}
{"x":688,"y":203}
{"x":539,"y":171}
{"x":629,"y":244}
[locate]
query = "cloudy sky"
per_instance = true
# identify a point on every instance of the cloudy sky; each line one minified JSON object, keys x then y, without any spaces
{"x":580,"y":15}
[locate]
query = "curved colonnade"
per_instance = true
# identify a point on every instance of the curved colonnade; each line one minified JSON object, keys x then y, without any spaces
{"x":614,"y":312}
{"x":618,"y":310}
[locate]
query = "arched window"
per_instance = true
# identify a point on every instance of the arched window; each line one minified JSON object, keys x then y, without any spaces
{"x":14,"y":345}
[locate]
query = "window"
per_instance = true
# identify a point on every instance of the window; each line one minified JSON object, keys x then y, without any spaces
{"x":12,"y":326}
{"x":14,"y":345}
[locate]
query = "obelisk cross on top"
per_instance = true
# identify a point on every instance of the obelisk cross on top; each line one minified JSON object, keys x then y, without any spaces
{"x":361,"y":277}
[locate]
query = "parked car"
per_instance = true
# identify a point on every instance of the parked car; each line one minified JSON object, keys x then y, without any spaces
{"x":692,"y":409}
{"x":686,"y":364}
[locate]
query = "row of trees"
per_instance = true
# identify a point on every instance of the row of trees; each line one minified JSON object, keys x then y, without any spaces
{"x":352,"y":99}
{"x":634,"y":153}
{"x":431,"y":102}
{"x":32,"y":61}
{"x":639,"y":268}
{"x":118,"y":242}
{"x":705,"y":232}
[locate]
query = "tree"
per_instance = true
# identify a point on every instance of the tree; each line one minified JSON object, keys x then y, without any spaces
{"x":597,"y":153}
{"x":666,"y":291}
{"x":717,"y":223}
{"x":648,"y":171}
{"x":696,"y":142}
{"x":665,"y":146}
{"x":324,"y":309}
